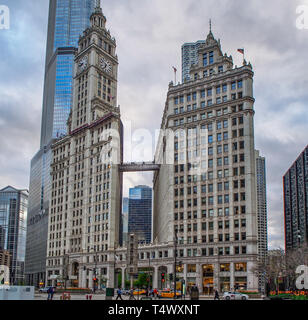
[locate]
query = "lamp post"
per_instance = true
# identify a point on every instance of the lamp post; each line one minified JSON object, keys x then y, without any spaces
{"x":175,"y":249}
{"x":95,"y":266}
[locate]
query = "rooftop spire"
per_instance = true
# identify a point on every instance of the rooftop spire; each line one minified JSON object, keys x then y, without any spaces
{"x":210,"y":25}
{"x":98,"y":8}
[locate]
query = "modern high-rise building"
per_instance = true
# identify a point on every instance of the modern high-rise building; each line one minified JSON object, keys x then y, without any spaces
{"x":86,"y":193}
{"x":205,"y":191}
{"x":295,"y":189}
{"x":13,"y":228}
{"x":262,"y":214}
{"x":66,"y":22}
{"x":125,"y":220}
{"x":140,"y":213}
{"x":189,"y":57}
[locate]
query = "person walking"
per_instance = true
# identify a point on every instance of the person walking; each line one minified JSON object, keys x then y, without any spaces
{"x":216,"y":295}
{"x":119,"y":292}
{"x":131,"y":295}
{"x":50,"y":292}
{"x":155,"y":292}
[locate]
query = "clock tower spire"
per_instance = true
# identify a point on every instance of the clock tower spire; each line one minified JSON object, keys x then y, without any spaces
{"x":96,"y":72}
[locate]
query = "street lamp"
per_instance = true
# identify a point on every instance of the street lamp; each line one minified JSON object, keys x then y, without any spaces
{"x":95,"y":266}
{"x":175,"y":249}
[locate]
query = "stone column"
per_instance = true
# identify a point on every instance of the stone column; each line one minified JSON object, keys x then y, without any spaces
{"x":155,"y":278}
{"x":110,"y":277}
{"x":216,"y":276}
{"x":199,"y":277}
{"x":91,"y":279}
{"x":185,"y":273}
{"x":80,"y":282}
{"x":231,"y":276}
{"x":123,"y":278}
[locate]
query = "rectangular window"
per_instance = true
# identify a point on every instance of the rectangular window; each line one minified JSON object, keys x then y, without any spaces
{"x":205,"y":60}
{"x":211,"y":57}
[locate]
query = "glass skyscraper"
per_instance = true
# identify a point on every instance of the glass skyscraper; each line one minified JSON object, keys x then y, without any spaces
{"x":66,"y":22}
{"x":295,"y":189}
{"x":13,"y":226}
{"x":189,"y":57}
{"x":140,"y":213}
{"x":125,"y":219}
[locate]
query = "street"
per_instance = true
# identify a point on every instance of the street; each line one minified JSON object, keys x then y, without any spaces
{"x":43,"y":296}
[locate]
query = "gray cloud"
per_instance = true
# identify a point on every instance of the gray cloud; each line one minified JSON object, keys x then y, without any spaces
{"x":149,"y":37}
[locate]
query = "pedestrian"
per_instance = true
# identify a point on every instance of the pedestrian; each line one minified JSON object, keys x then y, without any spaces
{"x":216,"y":295}
{"x":49,"y":293}
{"x":131,"y":295}
{"x":155,"y":293}
{"x":119,"y":292}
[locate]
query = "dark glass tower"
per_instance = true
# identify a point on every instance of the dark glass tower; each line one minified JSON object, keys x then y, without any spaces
{"x":295,"y":188}
{"x":13,"y":225}
{"x":140,"y":213}
{"x":67,"y":21}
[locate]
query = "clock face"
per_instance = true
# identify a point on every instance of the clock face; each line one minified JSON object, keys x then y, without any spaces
{"x":106,"y":65}
{"x":83,"y":63}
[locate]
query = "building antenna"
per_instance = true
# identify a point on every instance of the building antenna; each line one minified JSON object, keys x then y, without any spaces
{"x":210,"y":25}
{"x":98,"y":3}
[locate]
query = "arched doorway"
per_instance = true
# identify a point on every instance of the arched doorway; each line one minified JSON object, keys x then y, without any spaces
{"x":75,"y":275}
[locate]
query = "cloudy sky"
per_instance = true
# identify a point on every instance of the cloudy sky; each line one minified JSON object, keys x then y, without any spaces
{"x":149,"y":36}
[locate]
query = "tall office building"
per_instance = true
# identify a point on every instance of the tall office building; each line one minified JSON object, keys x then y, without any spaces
{"x":261,"y":213}
{"x":189,"y":57}
{"x":125,"y":220}
{"x":205,"y":191}
{"x":66,"y":22}
{"x":140,"y":213}
{"x":13,"y":228}
{"x":295,"y":189}
{"x":86,"y":194}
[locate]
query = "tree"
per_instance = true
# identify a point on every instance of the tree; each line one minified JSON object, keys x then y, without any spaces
{"x":272,"y":267}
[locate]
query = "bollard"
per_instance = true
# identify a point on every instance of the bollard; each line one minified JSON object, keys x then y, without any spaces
{"x":90,"y":297}
{"x":87,"y":297}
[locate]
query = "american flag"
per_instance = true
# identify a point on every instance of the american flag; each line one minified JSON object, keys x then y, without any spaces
{"x":175,"y":69}
{"x":242,"y":51}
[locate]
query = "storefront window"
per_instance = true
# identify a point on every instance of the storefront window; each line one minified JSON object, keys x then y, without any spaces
{"x":241,"y":267}
{"x":240,"y":283}
{"x":224,"y":284}
{"x":180,"y":268}
{"x":191,"y":268}
{"x":225,"y":267}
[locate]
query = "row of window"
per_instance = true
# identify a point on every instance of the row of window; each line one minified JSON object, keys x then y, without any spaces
{"x":209,"y":176}
{"x":208,"y":92}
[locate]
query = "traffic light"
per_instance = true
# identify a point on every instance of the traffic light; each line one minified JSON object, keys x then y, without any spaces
{"x":171,"y":276}
{"x":95,"y":279}
{"x":162,"y":277}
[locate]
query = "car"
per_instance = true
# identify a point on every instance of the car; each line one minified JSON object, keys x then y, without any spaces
{"x":45,"y":289}
{"x":167,"y":293}
{"x":230,"y":295}
{"x":139,"y":292}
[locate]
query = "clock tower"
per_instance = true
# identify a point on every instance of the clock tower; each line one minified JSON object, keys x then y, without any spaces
{"x":86,"y":183}
{"x":96,"y":73}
